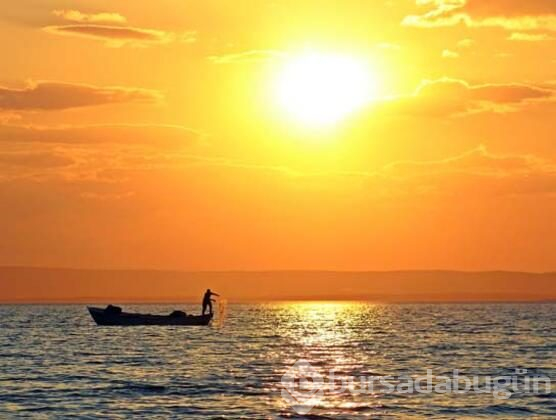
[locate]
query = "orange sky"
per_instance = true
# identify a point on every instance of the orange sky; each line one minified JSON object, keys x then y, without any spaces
{"x":145,"y":134}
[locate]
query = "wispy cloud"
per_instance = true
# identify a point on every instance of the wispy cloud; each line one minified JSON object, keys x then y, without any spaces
{"x":111,"y":28}
{"x":528,"y":37}
{"x":102,"y":17}
{"x":465,"y":43}
{"x":509,"y":14}
{"x":46,"y":95}
{"x":114,"y":36}
{"x":246,"y":56}
{"x":32,"y":159}
{"x":454,"y":97}
{"x":449,"y":54}
{"x":477,"y":172}
{"x":154,"y":136}
{"x":478,"y":161}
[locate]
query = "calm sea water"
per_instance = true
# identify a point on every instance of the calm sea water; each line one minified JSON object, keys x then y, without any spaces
{"x":55,"y":363}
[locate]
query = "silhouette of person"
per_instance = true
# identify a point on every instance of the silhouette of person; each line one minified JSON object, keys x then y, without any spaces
{"x":207,"y":301}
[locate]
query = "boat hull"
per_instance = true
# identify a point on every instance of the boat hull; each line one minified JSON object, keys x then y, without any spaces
{"x":101,"y":317}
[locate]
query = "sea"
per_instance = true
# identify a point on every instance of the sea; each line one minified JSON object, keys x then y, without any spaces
{"x":337,"y":360}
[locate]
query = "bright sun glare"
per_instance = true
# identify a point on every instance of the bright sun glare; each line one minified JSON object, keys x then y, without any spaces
{"x":319,"y":89}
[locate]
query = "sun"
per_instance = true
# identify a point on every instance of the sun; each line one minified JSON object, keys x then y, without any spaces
{"x":321,"y":89}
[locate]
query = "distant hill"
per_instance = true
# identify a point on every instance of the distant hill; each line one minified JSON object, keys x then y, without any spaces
{"x":23,"y":284}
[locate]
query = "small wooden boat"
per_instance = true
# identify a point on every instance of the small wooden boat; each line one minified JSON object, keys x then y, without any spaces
{"x":113,"y":315}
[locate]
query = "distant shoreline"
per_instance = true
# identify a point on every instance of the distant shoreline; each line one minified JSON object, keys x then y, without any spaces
{"x":282,"y":270}
{"x":292,"y":301}
{"x":29,"y":285}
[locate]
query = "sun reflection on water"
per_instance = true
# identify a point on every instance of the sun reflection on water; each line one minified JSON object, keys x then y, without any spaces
{"x":327,"y":334}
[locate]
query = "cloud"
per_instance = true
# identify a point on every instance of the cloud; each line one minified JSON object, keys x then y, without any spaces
{"x":520,"y":36}
{"x":109,"y":27}
{"x":165,"y":136}
{"x":482,"y":8}
{"x":48,"y":96}
{"x":477,"y":173}
{"x":508,"y":14}
{"x":459,"y":49}
{"x":107,"y":196}
{"x":478,"y":161}
{"x":112,"y":173}
{"x":466,"y":43}
{"x":187,"y":37}
{"x":77,"y":16}
{"x":114,"y":36}
{"x":8,"y":116}
{"x":246,"y":56}
{"x":450,"y":54}
{"x":42,"y":160}
{"x":453,"y":97}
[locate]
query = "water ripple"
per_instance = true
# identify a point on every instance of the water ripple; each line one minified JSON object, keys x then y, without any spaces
{"x":54,"y":363}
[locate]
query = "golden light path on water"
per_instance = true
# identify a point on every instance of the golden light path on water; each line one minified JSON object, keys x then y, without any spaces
{"x":327,"y":332}
{"x":364,"y":340}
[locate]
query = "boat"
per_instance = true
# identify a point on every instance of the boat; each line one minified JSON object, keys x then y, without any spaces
{"x":114,"y":316}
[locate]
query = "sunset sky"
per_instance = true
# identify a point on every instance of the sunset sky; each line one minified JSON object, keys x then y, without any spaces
{"x":262,"y":135}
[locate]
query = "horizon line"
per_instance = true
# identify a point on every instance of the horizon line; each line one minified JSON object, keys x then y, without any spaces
{"x":284,"y":270}
{"x":86,"y":300}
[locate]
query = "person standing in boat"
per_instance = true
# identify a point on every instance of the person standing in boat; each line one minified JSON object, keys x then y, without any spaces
{"x":207,"y":301}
